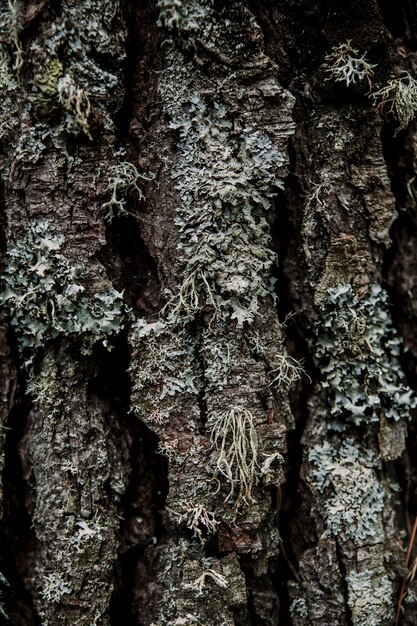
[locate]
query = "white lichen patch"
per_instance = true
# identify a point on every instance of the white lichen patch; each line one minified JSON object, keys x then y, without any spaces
{"x":358,"y":350}
{"x":370,"y":598}
{"x":197,"y":518}
{"x":182,"y":15}
{"x":46,"y":298}
{"x":346,"y":64}
{"x":354,"y":497}
{"x":123,"y":180}
{"x":54,"y":587}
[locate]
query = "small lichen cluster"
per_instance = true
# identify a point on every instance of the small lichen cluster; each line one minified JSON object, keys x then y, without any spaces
{"x":198,"y":519}
{"x":8,"y":86}
{"x":76,"y":104}
{"x":124,"y":178}
{"x":198,"y":589}
{"x":54,"y":587}
{"x":344,"y":64}
{"x":399,"y":97}
{"x":233,"y":434}
{"x":358,"y":350}
{"x":182,"y":15}
{"x":164,"y":351}
{"x":11,"y":26}
{"x":354,"y":497}
{"x":225,"y":183}
{"x":46,"y":297}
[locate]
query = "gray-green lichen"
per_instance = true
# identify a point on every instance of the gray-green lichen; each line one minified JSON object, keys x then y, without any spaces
{"x":67,"y":91}
{"x":46,"y":297}
{"x":123,"y":179}
{"x":196,"y":381}
{"x":77,"y":464}
{"x":354,"y":497}
{"x":224,"y":244}
{"x":370,"y":597}
{"x":361,"y":404}
{"x":358,"y":350}
{"x":199,"y":589}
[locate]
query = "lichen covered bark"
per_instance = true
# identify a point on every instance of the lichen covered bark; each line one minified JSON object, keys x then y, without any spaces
{"x":176,"y":462}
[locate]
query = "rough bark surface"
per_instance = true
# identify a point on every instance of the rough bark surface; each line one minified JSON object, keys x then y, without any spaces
{"x":207,"y":348}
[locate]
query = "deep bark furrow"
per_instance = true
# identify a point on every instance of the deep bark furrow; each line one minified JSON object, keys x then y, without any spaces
{"x":180,"y":453}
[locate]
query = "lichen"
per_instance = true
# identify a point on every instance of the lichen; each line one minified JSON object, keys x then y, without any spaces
{"x":234,"y":436}
{"x":224,"y":236}
{"x":46,"y":298}
{"x":345,"y":64}
{"x":76,"y":104}
{"x":370,"y":598}
{"x":353,"y":496}
{"x":358,"y":350}
{"x":8,"y":85}
{"x":123,"y":179}
{"x":11,"y":24}
{"x":183,"y":16}
{"x":399,"y":97}
{"x":163,"y":350}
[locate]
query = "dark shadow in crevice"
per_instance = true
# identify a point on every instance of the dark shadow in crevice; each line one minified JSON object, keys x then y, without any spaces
{"x":143,"y":41}
{"x":294,"y":497}
{"x":17,"y":537}
{"x":400,"y":18}
{"x":130,"y":265}
{"x":142,"y":503}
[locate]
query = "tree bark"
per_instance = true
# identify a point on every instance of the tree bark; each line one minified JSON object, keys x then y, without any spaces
{"x":208,"y":358}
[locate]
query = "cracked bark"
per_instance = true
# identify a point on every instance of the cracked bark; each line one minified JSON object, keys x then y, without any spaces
{"x":118,"y":503}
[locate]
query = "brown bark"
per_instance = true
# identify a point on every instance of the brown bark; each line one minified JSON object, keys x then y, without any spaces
{"x":201,"y":455}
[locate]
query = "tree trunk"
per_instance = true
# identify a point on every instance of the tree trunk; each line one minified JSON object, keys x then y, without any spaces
{"x":208,"y":357}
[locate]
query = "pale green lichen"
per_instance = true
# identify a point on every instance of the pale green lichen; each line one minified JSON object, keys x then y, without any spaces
{"x":46,"y":298}
{"x":234,"y":437}
{"x":370,"y":598}
{"x":123,"y":179}
{"x":225,"y":183}
{"x":399,"y":97}
{"x":354,"y":497}
{"x":76,"y":105}
{"x":358,"y":351}
{"x":346,"y":64}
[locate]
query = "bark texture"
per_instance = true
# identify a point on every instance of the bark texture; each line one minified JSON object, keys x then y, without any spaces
{"x":208,"y":357}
